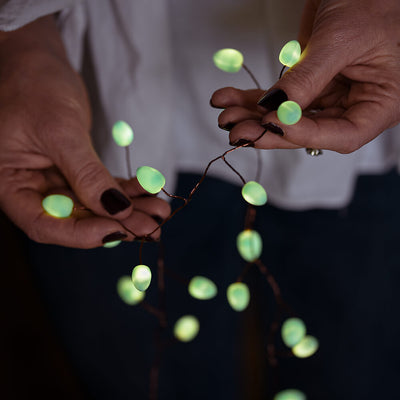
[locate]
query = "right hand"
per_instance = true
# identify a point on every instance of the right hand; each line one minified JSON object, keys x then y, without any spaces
{"x":45,"y":147}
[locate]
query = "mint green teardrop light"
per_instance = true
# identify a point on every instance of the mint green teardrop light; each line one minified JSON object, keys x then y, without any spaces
{"x":290,"y":394}
{"x":150,"y":179}
{"x":186,"y":328}
{"x":293,"y":331}
{"x":306,"y":347}
{"x":58,"y":205}
{"x":128,"y":292}
{"x":238,"y":295}
{"x":202,"y":288}
{"x":249,"y":244}
{"x":254,"y":193}
{"x":228,"y":60}
{"x":290,"y":53}
{"x":122,"y":133}
{"x":110,"y":245}
{"x":289,"y":112}
{"x":141,"y":277}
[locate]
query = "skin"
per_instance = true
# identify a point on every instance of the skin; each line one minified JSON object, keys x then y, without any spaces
{"x":45,"y":147}
{"x":349,"y":75}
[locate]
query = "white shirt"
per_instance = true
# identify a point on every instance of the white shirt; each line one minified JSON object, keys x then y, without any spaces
{"x":153,"y":68}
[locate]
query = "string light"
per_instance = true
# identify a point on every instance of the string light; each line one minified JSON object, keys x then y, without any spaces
{"x":293,"y":331}
{"x":186,"y":328}
{"x":58,"y":205}
{"x":128,"y":292}
{"x":228,"y":60}
{"x":141,"y":277}
{"x":290,"y":394}
{"x":238,"y":295}
{"x":122,"y":133}
{"x":254,"y":193}
{"x":150,"y":179}
{"x":110,"y":245}
{"x":202,"y":288}
{"x":306,"y":347}
{"x":249,"y":244}
{"x":289,"y":112}
{"x":290,"y":53}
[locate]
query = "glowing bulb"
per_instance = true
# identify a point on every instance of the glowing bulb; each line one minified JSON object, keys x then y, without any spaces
{"x":289,"y":113}
{"x":202,"y":288}
{"x":249,"y":244}
{"x":290,"y":53}
{"x":290,"y":394}
{"x":186,"y":328}
{"x":150,"y":179}
{"x":58,"y":205}
{"x":254,"y":193}
{"x":306,"y":347}
{"x":127,"y":291}
{"x":293,"y":331}
{"x":122,"y":134}
{"x":229,"y":60}
{"x":110,"y":245}
{"x":238,"y":295}
{"x":141,"y":277}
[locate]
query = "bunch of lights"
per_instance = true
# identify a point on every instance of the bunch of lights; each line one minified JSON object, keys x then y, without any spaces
{"x":132,"y":289}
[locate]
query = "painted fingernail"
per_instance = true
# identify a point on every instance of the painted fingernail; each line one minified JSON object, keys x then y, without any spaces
{"x":273,"y":99}
{"x":271,"y":127}
{"x":114,"y":201}
{"x":242,"y":142}
{"x":227,"y":127}
{"x":112,"y":237}
{"x":158,"y":219}
{"x":211,"y":103}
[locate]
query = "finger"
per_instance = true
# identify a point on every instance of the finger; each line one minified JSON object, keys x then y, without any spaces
{"x":142,"y":225}
{"x":24,"y":208}
{"x":132,"y":187}
{"x":157,"y":208}
{"x":252,"y":131}
{"x":230,"y":96}
{"x":89,"y":179}
{"x":307,"y":22}
{"x":232,"y":115}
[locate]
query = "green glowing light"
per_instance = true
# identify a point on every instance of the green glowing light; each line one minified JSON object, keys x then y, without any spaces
{"x":293,"y":331}
{"x":254,"y":193}
{"x":186,"y":328}
{"x":289,"y":113}
{"x":306,"y":347}
{"x":290,"y":53}
{"x":290,"y":394}
{"x":238,"y":295}
{"x":58,"y":205}
{"x":127,"y":291}
{"x":202,"y":288}
{"x":141,"y":277}
{"x":122,"y":134}
{"x":150,"y":179}
{"x":229,"y":60}
{"x":110,"y":245}
{"x":249,"y":244}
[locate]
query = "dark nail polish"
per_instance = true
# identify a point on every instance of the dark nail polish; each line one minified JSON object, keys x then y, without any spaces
{"x":114,"y":201}
{"x":211,"y":103}
{"x":112,"y":237}
{"x":158,"y":219}
{"x":273,"y":99}
{"x":271,"y":127}
{"x":242,"y":142}
{"x":227,"y":127}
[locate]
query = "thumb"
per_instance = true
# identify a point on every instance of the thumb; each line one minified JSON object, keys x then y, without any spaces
{"x":89,"y":179}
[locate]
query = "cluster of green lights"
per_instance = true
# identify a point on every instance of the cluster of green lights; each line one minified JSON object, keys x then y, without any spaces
{"x":293,"y":333}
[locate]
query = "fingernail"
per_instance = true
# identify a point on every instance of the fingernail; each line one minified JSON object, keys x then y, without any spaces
{"x":273,"y":99}
{"x":158,"y":219}
{"x":211,"y":103}
{"x":227,"y":127}
{"x":114,"y":236}
{"x":271,"y":127}
{"x":114,"y":201}
{"x":242,"y":142}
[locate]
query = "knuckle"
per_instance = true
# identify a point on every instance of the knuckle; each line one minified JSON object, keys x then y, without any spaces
{"x":89,"y":174}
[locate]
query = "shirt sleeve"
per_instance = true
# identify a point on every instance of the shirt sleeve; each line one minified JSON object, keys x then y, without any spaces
{"x":16,"y":13}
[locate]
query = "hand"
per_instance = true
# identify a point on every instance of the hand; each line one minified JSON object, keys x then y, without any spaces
{"x":347,"y":81}
{"x":45,"y":147}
